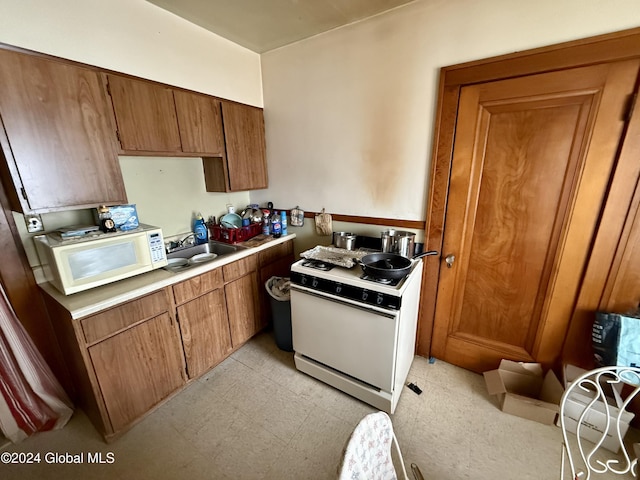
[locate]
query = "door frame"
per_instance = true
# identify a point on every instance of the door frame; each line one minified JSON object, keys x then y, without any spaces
{"x":610,"y":47}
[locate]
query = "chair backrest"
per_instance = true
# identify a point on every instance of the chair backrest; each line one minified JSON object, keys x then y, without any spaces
{"x":590,"y":452}
{"x":367,"y":454}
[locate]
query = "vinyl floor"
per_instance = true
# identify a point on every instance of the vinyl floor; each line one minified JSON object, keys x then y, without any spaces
{"x":255,"y":416}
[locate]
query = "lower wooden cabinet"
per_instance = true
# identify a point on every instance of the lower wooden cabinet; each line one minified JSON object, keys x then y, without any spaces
{"x":122,"y":361}
{"x":129,"y":358}
{"x":137,"y":368}
{"x":204,"y":327}
{"x":242,"y":306}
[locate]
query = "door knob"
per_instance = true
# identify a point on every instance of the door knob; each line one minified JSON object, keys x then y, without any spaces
{"x":450,"y":259}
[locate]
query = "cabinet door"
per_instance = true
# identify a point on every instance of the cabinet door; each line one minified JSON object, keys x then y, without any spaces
{"x":246,"y":150}
{"x":204,"y":327}
{"x":138,"y":368}
{"x":242,"y":307}
{"x":145,"y":115}
{"x":200,"y":123}
{"x":59,"y":147}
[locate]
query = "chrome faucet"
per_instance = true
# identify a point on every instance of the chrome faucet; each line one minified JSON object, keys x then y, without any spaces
{"x":187,"y":241}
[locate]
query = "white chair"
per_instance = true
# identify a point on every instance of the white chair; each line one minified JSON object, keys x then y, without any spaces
{"x":586,"y":396}
{"x":367,"y":455}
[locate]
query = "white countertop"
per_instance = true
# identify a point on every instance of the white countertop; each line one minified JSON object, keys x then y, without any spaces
{"x":92,"y":301}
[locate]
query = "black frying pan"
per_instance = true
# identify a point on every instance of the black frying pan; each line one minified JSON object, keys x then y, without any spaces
{"x":389,"y":265}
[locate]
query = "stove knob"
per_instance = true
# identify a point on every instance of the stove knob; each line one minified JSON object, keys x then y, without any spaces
{"x":314,"y":283}
{"x":303,"y":280}
{"x":379,"y":299}
{"x":365,"y":295}
{"x":338,"y":288}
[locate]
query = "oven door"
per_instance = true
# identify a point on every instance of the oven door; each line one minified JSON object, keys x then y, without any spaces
{"x":353,"y":338}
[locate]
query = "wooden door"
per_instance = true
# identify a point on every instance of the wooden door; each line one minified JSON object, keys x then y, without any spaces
{"x":204,"y":327}
{"x":200,"y":123}
{"x":246,"y":150}
{"x":57,"y":137}
{"x":145,"y":115}
{"x":531,"y":162}
{"x":138,"y":368}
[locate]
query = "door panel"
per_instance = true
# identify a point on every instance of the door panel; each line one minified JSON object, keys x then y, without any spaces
{"x":531,"y":156}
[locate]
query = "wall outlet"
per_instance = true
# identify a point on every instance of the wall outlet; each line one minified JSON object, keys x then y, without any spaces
{"x":34,"y":223}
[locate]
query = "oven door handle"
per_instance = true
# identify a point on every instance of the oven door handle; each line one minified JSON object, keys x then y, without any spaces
{"x":333,"y":298}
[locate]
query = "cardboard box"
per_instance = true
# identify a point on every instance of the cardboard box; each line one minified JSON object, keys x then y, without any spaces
{"x":594,"y":424}
{"x":524,"y":391}
{"x":125,"y":217}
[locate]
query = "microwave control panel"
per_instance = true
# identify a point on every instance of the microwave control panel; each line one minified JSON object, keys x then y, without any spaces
{"x":156,"y":246}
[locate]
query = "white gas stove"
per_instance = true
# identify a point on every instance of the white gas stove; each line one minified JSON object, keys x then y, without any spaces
{"x":353,"y":332}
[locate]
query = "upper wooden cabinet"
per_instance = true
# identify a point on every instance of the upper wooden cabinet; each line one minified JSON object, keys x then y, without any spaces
{"x":57,"y":143}
{"x":199,"y":122}
{"x":155,"y":119}
{"x":245,"y":165}
{"x":145,"y":115}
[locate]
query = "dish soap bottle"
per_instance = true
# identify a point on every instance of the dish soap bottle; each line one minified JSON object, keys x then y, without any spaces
{"x":200,"y":230}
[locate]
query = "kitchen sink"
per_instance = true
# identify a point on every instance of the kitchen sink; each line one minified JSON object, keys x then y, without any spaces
{"x":183,"y":258}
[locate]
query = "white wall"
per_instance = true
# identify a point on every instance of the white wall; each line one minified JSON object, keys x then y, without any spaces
{"x":349,"y":114}
{"x":138,"y":38}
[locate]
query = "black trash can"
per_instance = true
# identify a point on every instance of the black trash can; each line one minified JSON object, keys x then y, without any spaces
{"x":278,"y":289}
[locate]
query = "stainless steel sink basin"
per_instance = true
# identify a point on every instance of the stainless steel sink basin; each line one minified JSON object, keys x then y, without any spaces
{"x":187,"y":257}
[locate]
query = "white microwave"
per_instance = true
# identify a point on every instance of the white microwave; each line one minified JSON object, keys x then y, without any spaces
{"x":74,"y":265}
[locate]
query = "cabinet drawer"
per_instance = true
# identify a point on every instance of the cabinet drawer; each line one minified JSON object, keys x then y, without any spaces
{"x":238,"y":269}
{"x":118,"y":318}
{"x":274,"y":253}
{"x":194,"y":287}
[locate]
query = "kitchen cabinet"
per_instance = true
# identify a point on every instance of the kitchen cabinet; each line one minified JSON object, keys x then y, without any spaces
{"x":200,"y":123}
{"x":156,"y":119}
{"x":145,"y":115}
{"x":242,"y":301}
{"x":123,"y":361}
{"x":204,"y":323}
{"x":245,"y":165}
{"x":128,"y":358}
{"x":137,"y":368}
{"x":56,"y":136}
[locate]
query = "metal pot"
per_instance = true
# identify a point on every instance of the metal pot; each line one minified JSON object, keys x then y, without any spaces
{"x":390,"y":265}
{"x":398,"y":241}
{"x":344,"y":240}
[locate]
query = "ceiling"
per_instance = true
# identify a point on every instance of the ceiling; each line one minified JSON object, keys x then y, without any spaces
{"x":262,"y":25}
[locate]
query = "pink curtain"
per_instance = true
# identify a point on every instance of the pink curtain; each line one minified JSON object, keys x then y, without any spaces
{"x":31,"y":399}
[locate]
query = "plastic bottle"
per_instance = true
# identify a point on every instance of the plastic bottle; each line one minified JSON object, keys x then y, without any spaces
{"x":276,"y":226}
{"x":283,"y":221}
{"x":200,"y":230}
{"x":266,"y":220}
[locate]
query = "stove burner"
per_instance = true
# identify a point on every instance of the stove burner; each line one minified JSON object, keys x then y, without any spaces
{"x":383,"y":281}
{"x":318,"y":265}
